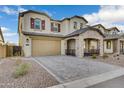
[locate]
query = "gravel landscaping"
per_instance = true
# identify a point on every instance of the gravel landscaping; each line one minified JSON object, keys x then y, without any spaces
{"x":112,"y":59}
{"x":37,"y":77}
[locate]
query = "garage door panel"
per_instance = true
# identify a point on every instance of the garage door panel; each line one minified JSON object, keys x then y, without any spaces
{"x":45,"y":47}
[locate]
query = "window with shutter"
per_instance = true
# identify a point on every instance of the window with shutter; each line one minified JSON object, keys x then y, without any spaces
{"x":43,"y":24}
{"x":32,"y":23}
{"x":51,"y":26}
{"x":59,"y":28}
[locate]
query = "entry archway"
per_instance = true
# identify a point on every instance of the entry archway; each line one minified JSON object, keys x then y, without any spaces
{"x":71,"y":47}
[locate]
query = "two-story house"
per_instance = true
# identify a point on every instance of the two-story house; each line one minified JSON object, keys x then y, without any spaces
{"x":40,"y":35}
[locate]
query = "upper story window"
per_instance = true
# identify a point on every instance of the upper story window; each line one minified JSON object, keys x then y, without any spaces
{"x":55,"y":27}
{"x":113,"y":32}
{"x":81,"y":25}
{"x":37,"y":23}
{"x":75,"y":25}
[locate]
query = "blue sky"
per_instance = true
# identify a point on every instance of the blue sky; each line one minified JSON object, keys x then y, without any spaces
{"x":107,"y":15}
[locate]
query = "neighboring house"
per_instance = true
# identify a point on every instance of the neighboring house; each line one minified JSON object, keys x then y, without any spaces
{"x":39,"y":35}
{"x":113,"y":41}
{"x":2,"y":46}
{"x":1,"y":37}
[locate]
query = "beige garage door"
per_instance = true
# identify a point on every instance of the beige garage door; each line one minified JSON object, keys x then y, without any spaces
{"x":45,"y":47}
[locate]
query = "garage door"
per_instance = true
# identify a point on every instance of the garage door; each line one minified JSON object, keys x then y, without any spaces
{"x":46,"y":47}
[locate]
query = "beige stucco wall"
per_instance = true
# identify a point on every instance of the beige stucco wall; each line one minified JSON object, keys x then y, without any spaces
{"x":78,"y":20}
{"x":65,"y":26}
{"x":108,"y":50}
{"x":26,"y":49}
{"x":26,"y":22}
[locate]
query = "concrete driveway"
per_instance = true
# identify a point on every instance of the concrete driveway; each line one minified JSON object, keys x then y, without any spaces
{"x":68,"y":68}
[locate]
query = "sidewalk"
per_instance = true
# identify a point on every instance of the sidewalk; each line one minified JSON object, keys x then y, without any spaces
{"x":90,"y":81}
{"x":113,"y":83}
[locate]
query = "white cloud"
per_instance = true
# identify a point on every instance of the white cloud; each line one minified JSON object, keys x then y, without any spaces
{"x":47,"y":12}
{"x":21,"y":9}
{"x":110,"y":15}
{"x":8,"y":10}
{"x":4,"y":29}
{"x":9,"y":34}
{"x":12,"y":11}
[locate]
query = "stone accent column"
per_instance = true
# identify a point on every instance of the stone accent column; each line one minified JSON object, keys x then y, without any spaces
{"x":101,"y":47}
{"x":77,"y":46}
{"x":81,"y":47}
{"x":118,"y":46}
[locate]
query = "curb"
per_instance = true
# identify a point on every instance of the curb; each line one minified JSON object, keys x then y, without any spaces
{"x":86,"y":82}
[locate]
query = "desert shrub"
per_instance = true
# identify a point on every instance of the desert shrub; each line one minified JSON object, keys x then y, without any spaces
{"x":93,"y":56}
{"x":105,"y":56}
{"x":21,"y":70}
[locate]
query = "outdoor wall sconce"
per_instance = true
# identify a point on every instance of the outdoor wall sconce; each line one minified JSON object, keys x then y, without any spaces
{"x":27,"y":40}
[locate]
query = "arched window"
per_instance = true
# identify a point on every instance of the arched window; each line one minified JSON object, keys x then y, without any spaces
{"x":108,"y":45}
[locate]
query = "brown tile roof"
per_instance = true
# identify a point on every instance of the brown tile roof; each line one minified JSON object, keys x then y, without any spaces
{"x":42,"y":34}
{"x":75,"y":33}
{"x":80,"y":31}
{"x":74,"y":17}
{"x":99,"y":25}
{"x":113,"y":28}
{"x":32,"y":11}
{"x":110,"y":36}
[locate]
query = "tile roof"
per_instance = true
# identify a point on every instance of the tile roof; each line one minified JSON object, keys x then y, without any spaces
{"x":80,"y":31}
{"x":75,"y":33}
{"x":42,"y":34}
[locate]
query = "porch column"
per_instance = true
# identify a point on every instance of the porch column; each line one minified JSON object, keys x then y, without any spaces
{"x":81,"y":47}
{"x":101,"y":47}
{"x":118,"y":46}
{"x":77,"y":47}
